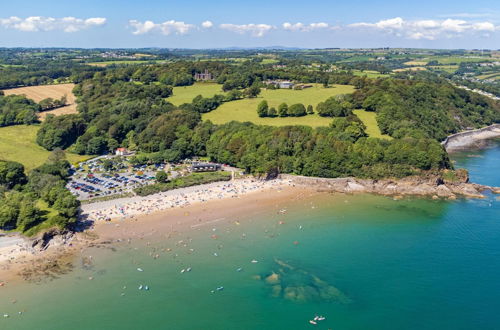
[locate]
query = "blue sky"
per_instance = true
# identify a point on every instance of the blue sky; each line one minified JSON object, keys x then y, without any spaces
{"x":223,"y":23}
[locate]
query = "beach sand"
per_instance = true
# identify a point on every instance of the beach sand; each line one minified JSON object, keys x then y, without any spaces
{"x":176,"y":211}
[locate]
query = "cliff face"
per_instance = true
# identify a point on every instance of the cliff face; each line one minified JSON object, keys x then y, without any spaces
{"x":433,"y":186}
{"x":470,"y":138}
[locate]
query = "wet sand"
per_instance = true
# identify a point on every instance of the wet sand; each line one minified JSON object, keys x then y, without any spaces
{"x":27,"y":266}
{"x":202,"y":214}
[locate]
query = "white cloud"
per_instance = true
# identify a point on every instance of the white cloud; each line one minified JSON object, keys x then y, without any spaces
{"x":484,"y":26}
{"x":392,"y":23}
{"x":165,"y":28}
{"x":207,"y":24}
{"x":39,"y":23}
{"x":427,"y":29}
{"x":256,"y":30}
{"x":303,"y":27}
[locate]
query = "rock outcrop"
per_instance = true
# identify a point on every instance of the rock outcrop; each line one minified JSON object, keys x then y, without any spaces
{"x":430,"y":185}
{"x":52,"y":238}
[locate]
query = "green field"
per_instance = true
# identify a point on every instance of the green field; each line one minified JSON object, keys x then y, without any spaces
{"x":494,"y":75}
{"x":442,"y":59}
{"x":369,"y":73}
{"x":126,"y":62}
{"x":17,"y":143}
{"x":448,"y":68}
{"x":369,"y":119}
{"x":186,"y":94}
{"x":246,"y":109}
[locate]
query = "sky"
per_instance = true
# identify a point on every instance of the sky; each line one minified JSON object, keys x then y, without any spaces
{"x":255,"y":23}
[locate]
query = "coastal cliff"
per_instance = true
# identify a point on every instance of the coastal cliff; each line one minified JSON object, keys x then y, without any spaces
{"x":432,"y":185}
{"x":470,"y":138}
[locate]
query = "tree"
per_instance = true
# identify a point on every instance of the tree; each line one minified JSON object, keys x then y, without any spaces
{"x":262,"y":108}
{"x":60,"y":131}
{"x":107,"y":164}
{"x":283,"y":110}
{"x":310,"y":110}
{"x":272,"y":112}
{"x":252,"y":91}
{"x":334,"y":107}
{"x":161,"y":177}
{"x":56,"y":156}
{"x":11,"y":174}
{"x":233,"y":94}
{"x":28,"y":215}
{"x":297,"y":110}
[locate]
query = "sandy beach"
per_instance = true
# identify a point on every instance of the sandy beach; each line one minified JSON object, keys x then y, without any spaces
{"x":136,"y":217}
{"x":184,"y":197}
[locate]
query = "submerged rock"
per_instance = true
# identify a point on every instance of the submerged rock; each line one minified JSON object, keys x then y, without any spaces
{"x":298,"y":285}
{"x":273,"y":278}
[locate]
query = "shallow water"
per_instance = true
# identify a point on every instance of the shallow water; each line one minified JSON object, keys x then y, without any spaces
{"x":363,"y":262}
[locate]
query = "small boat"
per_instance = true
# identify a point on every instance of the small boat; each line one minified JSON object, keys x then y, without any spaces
{"x":182,"y":271}
{"x":313,"y":322}
{"x":215,"y":254}
{"x":146,"y":287}
{"x":321,"y":318}
{"x":140,"y":270}
{"x":140,"y":287}
{"x":254,"y":261}
{"x":220,"y":288}
{"x":239,"y":269}
{"x":188,"y":269}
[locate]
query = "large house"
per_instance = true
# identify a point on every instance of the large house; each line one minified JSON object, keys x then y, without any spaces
{"x":283,"y":84}
{"x":203,"y":76}
{"x":122,"y":152}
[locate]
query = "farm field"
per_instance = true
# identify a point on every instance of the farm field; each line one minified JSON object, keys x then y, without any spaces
{"x":369,"y":119}
{"x":186,"y":94}
{"x":17,"y":143}
{"x":448,"y":68}
{"x":415,"y":63}
{"x":412,"y":68}
{"x":494,"y":76}
{"x":459,"y":59}
{"x":106,"y":63}
{"x":246,"y":109}
{"x":369,"y":73}
{"x":38,"y":93}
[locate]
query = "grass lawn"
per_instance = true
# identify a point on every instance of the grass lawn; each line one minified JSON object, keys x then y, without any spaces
{"x":186,"y":94}
{"x":17,"y":143}
{"x":246,"y":109}
{"x":369,"y":119}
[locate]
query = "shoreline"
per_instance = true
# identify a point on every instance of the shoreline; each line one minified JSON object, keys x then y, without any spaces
{"x":31,"y":259}
{"x":176,"y":198}
{"x":473,"y":138}
{"x":103,"y":222}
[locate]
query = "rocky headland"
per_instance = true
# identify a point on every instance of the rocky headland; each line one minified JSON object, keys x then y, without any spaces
{"x":431,"y":185}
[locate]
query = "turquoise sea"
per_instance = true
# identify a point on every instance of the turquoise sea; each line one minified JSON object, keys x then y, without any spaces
{"x":363,"y":262}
